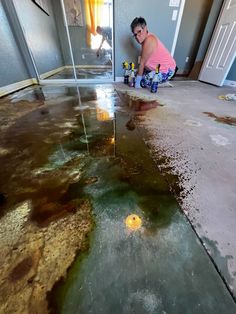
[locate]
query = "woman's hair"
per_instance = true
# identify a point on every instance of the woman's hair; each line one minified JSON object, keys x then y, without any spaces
{"x":138,"y":21}
{"x":99,"y":30}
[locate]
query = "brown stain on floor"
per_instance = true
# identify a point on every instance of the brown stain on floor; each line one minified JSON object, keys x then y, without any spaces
{"x":45,"y":226}
{"x":140,"y":105}
{"x":21,"y":269}
{"x":222,"y":119}
{"x":137,"y":104}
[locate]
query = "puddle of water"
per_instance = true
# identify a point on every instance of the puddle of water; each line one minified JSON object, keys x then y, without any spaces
{"x":50,"y":159}
{"x":226,"y":119}
{"x":158,"y":267}
{"x":127,"y":271}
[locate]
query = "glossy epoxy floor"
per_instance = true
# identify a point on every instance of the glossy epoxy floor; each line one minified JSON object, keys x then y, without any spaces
{"x":81,"y":73}
{"x":70,"y":179}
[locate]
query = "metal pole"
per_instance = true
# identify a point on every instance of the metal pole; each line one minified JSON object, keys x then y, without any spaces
{"x":70,"y":48}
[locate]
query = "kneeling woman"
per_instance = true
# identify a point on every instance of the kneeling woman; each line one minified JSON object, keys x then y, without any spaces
{"x":153,"y":53}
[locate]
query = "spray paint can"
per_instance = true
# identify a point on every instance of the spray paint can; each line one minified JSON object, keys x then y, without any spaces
{"x":131,"y":76}
{"x":147,"y":80}
{"x":144,"y":81}
{"x":126,"y":72}
{"x":154,"y":85}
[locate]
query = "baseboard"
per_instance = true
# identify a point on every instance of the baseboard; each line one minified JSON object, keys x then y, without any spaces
{"x":8,"y":89}
{"x":86,"y":66}
{"x":119,"y":79}
{"x":229,"y":83}
{"x":52,"y":72}
{"x":5,"y":90}
{"x":182,"y":73}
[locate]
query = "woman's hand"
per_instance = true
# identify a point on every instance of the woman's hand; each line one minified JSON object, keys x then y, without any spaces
{"x":138,"y":81}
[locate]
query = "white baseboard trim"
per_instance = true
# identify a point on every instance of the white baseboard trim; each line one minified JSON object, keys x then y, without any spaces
{"x":86,"y":66}
{"x":52,"y":72}
{"x":119,"y":79}
{"x":229,"y":83}
{"x":5,"y":90}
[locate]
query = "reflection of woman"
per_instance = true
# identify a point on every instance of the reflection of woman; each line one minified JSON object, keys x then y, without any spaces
{"x":106,"y":34}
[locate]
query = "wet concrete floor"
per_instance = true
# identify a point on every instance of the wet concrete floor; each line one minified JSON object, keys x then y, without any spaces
{"x":60,"y":157}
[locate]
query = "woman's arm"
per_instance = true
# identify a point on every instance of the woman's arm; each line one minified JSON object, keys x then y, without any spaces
{"x":148,"y":47}
{"x":98,"y":50}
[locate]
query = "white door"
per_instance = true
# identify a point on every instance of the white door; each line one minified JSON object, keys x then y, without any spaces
{"x":222,"y":49}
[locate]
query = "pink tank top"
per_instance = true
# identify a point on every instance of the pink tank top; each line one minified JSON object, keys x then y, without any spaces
{"x":160,"y":56}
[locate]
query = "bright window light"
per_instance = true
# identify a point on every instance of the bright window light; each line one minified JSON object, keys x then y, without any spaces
{"x":106,"y":19}
{"x":96,"y":41}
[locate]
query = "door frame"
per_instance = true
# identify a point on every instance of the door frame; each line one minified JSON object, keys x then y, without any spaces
{"x":181,"y":11}
{"x":211,"y":45}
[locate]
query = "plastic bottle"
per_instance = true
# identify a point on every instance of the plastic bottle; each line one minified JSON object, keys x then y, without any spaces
{"x":132,"y":75}
{"x":126,"y":72}
{"x":154,"y":85}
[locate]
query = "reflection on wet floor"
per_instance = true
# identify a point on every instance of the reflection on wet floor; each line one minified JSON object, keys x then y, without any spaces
{"x":142,"y":256}
{"x":138,"y":105}
{"x":94,"y":73}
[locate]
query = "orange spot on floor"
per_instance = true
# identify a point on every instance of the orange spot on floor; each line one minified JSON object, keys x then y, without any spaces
{"x":133,"y":222}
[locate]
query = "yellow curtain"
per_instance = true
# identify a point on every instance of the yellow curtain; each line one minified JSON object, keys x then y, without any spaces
{"x":93,"y":10}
